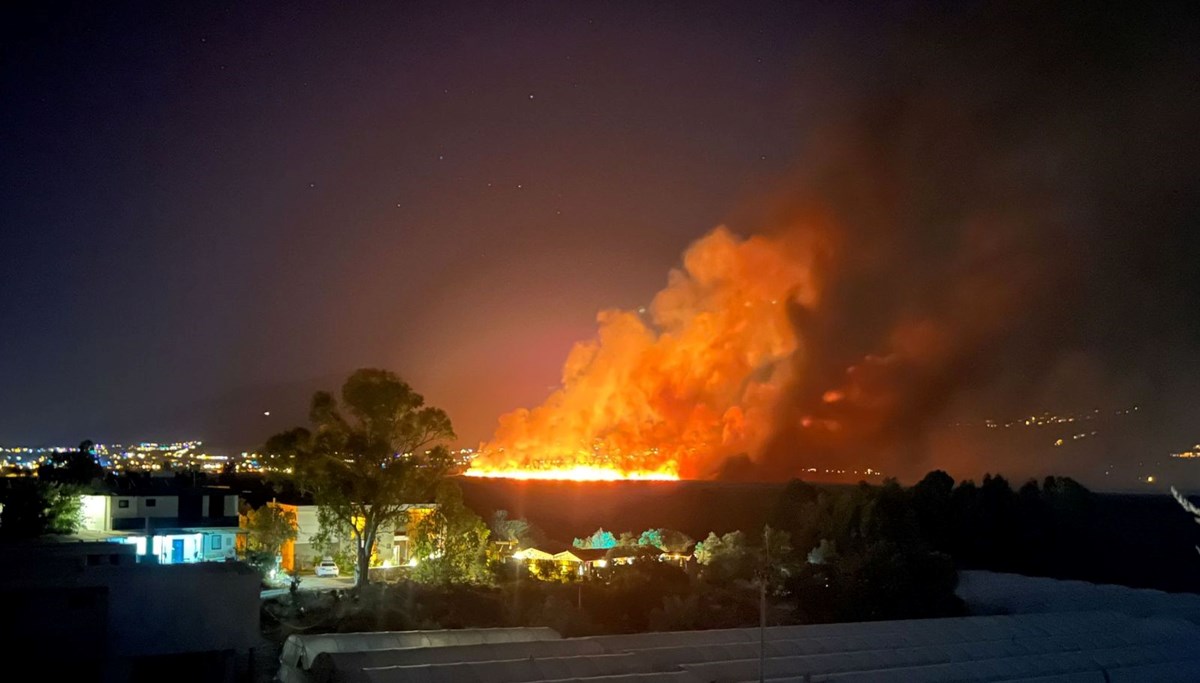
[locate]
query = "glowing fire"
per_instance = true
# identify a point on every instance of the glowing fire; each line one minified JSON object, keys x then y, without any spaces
{"x":669,"y":391}
{"x":575,"y":473}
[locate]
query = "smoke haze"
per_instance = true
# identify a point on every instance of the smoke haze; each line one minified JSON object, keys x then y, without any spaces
{"x":976,"y":230}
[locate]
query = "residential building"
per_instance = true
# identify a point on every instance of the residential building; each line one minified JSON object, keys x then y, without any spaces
{"x":582,"y":561}
{"x":393,"y":546}
{"x":569,"y":560}
{"x":168,"y":525}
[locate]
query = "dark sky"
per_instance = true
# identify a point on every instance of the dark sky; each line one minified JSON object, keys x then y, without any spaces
{"x":206,"y":211}
{"x":197,"y":200}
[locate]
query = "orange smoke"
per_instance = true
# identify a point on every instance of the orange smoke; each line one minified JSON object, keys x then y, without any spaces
{"x":671,"y":391}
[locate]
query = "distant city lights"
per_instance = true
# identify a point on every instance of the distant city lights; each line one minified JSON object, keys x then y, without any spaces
{"x":179,"y":456}
{"x":1193,"y":453}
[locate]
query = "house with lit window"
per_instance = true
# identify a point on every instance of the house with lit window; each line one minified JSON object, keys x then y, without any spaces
{"x":167,"y":525}
{"x":583,"y":561}
{"x":393,"y":546}
{"x":578,"y":561}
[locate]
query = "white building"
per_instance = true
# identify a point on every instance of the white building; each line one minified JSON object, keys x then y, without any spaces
{"x":198,"y":525}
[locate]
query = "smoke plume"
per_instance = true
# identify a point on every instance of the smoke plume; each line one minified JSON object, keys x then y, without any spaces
{"x":971,"y":211}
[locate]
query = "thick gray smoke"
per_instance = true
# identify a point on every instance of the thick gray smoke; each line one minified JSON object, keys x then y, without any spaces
{"x":1005,"y":192}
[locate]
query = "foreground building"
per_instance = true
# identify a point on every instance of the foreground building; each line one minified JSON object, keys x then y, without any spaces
{"x":1056,"y":638}
{"x":89,"y":611}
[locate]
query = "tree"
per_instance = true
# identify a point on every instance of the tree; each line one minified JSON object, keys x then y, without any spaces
{"x":776,"y":559}
{"x":451,"y":542}
{"x":368,"y":455}
{"x":879,"y":581}
{"x":269,"y":527}
{"x":518,"y":531}
{"x":333,"y":539}
{"x":825,"y":551}
{"x":707,"y":549}
{"x":667,"y":540}
{"x":601,"y":539}
{"x":651,"y":537}
{"x":35,"y":508}
{"x":77,"y":467}
{"x":932,"y":503}
{"x":725,"y":557}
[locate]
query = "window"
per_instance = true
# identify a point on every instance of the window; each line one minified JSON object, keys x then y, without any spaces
{"x":216,"y":542}
{"x":150,"y":502}
{"x":122,"y":503}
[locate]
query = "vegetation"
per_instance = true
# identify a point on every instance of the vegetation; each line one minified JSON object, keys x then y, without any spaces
{"x":725,"y":557}
{"x":667,"y":539}
{"x":34,"y":507}
{"x":333,"y":539}
{"x":827,"y":554}
{"x":269,"y":527}
{"x":600,"y":539}
{"x":76,"y":468}
{"x":452,"y":541}
{"x":517,"y":532}
{"x":267,"y":530}
{"x":878,"y":552}
{"x":368,"y":455}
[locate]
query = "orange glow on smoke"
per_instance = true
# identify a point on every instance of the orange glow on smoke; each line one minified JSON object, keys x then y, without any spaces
{"x":671,"y":390}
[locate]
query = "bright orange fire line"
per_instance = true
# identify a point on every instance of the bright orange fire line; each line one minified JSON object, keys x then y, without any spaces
{"x":576,"y":473}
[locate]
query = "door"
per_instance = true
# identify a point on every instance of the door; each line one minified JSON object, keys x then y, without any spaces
{"x":176,"y":551}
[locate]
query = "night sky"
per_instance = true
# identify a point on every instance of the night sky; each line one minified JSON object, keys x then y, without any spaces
{"x":207,"y":212}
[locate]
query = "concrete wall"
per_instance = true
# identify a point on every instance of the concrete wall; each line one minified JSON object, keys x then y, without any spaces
{"x":306,"y":523}
{"x":219,"y":545}
{"x":97,"y":515}
{"x":118,"y":512}
{"x":187,"y":608}
{"x":304,"y":556}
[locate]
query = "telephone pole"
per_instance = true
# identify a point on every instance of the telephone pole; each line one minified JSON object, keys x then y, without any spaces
{"x":762,"y":608}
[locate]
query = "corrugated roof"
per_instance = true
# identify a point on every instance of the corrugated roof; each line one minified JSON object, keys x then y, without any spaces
{"x":1142,"y":636}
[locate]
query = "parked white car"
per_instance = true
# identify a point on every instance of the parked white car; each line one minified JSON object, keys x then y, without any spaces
{"x":326,"y":567}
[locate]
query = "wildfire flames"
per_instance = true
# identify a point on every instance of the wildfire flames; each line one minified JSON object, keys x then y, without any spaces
{"x":934,"y":253}
{"x":577,"y":473}
{"x":668,"y":392}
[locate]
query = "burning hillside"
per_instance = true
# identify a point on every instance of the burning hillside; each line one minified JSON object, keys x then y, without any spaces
{"x":670,"y":391}
{"x":938,"y":254}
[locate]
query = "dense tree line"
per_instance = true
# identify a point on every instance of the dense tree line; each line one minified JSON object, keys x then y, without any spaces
{"x":1055,"y":528}
{"x":827,"y":553}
